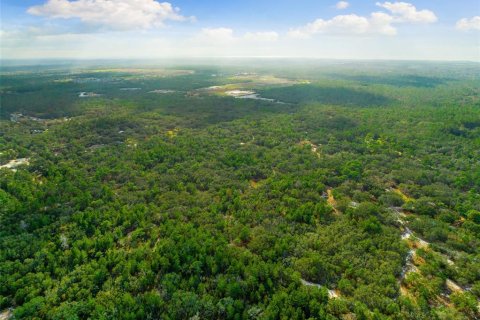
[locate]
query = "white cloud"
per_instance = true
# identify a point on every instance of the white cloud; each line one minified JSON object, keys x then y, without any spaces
{"x":378,"y":22}
{"x":467,"y":24}
{"x":406,"y":12}
{"x":115,"y":15}
{"x":382,"y":23}
{"x":262,"y":36}
{"x":342,"y":5}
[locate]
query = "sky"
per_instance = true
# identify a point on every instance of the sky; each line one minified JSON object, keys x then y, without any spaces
{"x":150,"y":29}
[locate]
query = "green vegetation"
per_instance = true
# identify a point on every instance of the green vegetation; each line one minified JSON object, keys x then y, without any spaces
{"x":352,"y":195}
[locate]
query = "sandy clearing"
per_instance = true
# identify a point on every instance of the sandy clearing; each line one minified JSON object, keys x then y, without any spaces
{"x":13,"y":164}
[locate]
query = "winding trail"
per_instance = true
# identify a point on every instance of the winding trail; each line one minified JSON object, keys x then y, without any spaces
{"x":332,"y":294}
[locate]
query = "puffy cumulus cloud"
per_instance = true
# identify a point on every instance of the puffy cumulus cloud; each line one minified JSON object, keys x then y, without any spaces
{"x":467,"y":24}
{"x":377,"y":23}
{"x":113,"y":15}
{"x":262,"y":36}
{"x":407,"y":12}
{"x":382,"y":23}
{"x":342,"y":5}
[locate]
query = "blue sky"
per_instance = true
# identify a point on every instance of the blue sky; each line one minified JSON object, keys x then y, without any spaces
{"x":356,"y":29}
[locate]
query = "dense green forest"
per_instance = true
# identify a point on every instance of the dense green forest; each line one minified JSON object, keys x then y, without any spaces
{"x":335,"y":191}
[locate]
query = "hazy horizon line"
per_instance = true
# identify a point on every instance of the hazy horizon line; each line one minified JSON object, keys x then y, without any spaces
{"x":226,"y":58}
